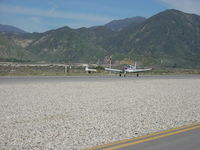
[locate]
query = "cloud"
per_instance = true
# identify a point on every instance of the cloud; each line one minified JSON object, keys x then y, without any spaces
{"x":36,"y":20}
{"x":53,"y":13}
{"x":190,"y":6}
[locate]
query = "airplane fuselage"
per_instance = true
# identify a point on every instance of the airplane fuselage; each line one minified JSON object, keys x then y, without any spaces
{"x":128,"y":69}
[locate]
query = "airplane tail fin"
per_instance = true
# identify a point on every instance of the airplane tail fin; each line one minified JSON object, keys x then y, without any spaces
{"x":86,"y":68}
{"x":135,"y":65}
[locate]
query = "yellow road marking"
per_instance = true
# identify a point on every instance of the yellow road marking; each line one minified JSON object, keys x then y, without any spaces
{"x":140,"y":137}
{"x":151,"y":138}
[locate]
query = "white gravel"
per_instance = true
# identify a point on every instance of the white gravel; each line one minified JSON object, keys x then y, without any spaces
{"x":81,"y":114}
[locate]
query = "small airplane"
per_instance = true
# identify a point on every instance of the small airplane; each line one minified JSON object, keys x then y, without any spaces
{"x":88,"y":70}
{"x":128,"y":69}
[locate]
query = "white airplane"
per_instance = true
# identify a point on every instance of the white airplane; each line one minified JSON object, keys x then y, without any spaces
{"x":128,"y":69}
{"x":88,"y":70}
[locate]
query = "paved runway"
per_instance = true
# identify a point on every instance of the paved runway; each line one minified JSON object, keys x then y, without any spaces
{"x":182,"y":138}
{"x":12,"y":79}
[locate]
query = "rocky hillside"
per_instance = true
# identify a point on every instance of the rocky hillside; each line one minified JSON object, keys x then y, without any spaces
{"x":118,"y":25}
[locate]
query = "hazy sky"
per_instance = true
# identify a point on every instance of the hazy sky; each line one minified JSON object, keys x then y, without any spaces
{"x":43,"y":15}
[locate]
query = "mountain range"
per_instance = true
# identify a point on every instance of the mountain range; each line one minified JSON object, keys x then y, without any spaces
{"x":168,"y":39}
{"x":10,"y":29}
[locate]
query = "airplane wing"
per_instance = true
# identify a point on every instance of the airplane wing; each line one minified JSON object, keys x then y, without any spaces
{"x":140,"y":70}
{"x":90,"y":70}
{"x":113,"y":70}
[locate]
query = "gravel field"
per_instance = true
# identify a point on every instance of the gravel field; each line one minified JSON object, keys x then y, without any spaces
{"x":76,"y":114}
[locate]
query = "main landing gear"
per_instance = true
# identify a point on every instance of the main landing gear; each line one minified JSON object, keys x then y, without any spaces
{"x":121,"y":74}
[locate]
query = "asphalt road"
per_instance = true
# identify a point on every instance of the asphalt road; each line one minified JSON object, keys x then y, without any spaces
{"x":183,"y":138}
